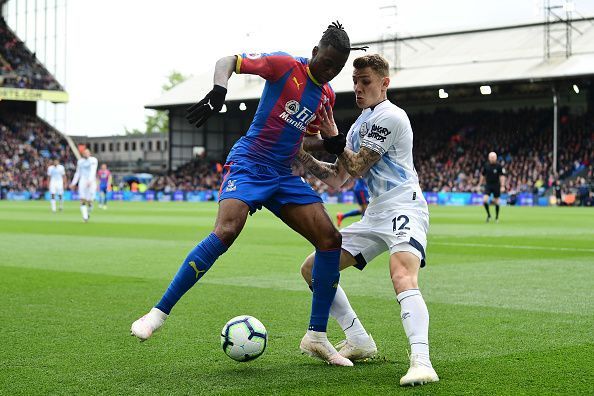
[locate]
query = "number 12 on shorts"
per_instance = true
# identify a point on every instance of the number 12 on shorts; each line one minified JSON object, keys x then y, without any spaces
{"x":402,"y":220}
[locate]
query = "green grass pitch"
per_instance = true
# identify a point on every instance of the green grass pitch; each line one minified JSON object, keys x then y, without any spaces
{"x":511,"y":304}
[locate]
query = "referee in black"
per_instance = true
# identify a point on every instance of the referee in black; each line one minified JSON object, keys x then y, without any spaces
{"x":494,"y":175}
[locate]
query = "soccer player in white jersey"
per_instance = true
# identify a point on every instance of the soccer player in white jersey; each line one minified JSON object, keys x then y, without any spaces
{"x":379,"y":148}
{"x":57,"y":181}
{"x":86,"y":178}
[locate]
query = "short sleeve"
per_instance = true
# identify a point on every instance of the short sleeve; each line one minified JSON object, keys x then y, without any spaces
{"x":383,"y":132}
{"x":269,"y":66}
{"x":349,"y":138}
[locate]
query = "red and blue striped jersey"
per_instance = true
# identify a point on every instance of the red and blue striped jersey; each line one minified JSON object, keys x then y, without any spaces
{"x":104,"y":176}
{"x":290,"y":99}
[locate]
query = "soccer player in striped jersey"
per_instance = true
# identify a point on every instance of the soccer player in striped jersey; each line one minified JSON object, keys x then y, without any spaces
{"x":104,"y":185}
{"x":258,"y":174}
{"x":379,"y":149}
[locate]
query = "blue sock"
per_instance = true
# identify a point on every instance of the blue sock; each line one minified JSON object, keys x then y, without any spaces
{"x":355,"y":212}
{"x":325,"y":275}
{"x":200,"y":259}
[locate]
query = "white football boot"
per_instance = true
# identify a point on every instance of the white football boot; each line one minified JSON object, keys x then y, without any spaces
{"x":353,"y":350}
{"x":419,"y":373}
{"x":144,"y":327}
{"x":316,"y":344}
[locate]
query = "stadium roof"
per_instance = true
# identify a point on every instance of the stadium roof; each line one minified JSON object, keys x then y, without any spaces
{"x":513,"y":53}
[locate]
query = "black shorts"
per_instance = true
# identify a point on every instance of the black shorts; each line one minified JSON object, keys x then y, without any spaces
{"x":494,"y":189}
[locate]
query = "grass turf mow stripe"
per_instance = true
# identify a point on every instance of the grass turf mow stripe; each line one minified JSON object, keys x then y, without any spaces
{"x":511,"y":304}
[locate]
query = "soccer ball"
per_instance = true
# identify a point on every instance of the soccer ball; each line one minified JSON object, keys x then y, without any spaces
{"x":244,"y":338}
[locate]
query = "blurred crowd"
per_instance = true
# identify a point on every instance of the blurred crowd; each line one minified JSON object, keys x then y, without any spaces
{"x":450,"y":149}
{"x":194,"y":175}
{"x":27,"y":146}
{"x":19,"y":67}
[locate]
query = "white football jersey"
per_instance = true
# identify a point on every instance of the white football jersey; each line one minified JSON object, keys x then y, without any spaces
{"x":56,"y":173}
{"x":86,"y":170}
{"x":393,"y":180}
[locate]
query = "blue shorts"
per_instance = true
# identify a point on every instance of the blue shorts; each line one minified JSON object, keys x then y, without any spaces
{"x":103,"y":189}
{"x":362,"y":196}
{"x":259,"y":185}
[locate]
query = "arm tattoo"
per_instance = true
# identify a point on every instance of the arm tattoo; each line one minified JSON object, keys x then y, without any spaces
{"x":357,"y":164}
{"x":321,"y":170}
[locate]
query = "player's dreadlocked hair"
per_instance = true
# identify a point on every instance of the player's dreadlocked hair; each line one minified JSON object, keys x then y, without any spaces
{"x":337,"y":37}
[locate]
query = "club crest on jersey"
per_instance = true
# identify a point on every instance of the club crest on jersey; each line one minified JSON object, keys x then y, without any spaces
{"x":363,"y":129}
{"x":292,"y":107}
{"x":231,"y":186}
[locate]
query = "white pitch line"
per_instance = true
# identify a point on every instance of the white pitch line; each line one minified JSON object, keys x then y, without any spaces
{"x":513,"y":246}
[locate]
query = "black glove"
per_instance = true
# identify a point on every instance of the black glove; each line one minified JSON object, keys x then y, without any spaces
{"x":212,"y":103}
{"x":335,"y":144}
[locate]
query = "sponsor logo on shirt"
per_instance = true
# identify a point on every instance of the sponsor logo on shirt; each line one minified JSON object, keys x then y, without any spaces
{"x":296,"y":115}
{"x":378,"y":133}
{"x":292,"y":107}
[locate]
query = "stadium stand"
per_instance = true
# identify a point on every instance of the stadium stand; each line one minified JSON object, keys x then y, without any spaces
{"x":27,"y":146}
{"x":439,"y":80}
{"x":19,"y":67}
{"x":450,"y":148}
{"x":196,"y":175}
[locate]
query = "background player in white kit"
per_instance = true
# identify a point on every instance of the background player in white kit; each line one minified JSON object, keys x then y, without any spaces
{"x":379,"y":148}
{"x":57,"y":180}
{"x":86,"y":178}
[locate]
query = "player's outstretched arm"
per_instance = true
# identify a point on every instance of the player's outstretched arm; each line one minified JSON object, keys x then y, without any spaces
{"x":331,"y":174}
{"x":213,"y":102}
{"x":313,"y":143}
{"x":357,"y":164}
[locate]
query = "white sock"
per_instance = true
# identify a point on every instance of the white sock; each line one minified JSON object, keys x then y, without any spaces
{"x":346,"y":317}
{"x":83,"y":211}
{"x":415,"y":320}
{"x":61,"y":201}
{"x":53,"y":204}
{"x":156,"y":317}
{"x":318,"y":335}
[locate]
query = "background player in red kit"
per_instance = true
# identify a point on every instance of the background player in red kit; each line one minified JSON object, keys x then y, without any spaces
{"x":258,"y":173}
{"x":104,"y":176}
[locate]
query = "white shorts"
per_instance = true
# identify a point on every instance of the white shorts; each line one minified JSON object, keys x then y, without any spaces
{"x":87,"y":191}
{"x":401,"y":230}
{"x":56,"y":188}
